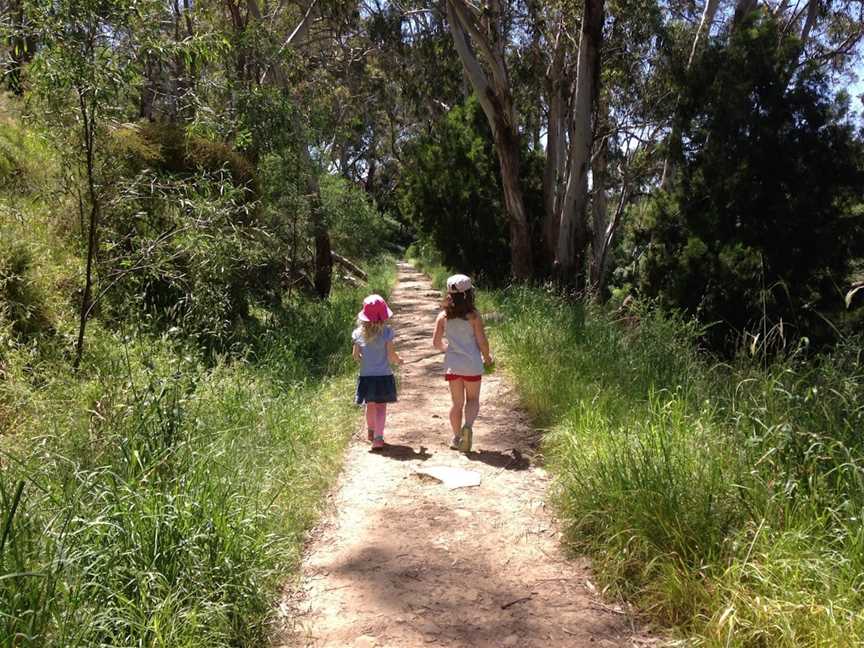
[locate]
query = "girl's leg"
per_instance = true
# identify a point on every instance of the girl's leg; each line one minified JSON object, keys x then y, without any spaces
{"x":457,"y":395}
{"x":472,"y":401}
{"x":380,"y":419}
{"x":371,"y":418}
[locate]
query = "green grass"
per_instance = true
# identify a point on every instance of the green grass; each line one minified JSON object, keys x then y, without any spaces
{"x":427,"y":260}
{"x":725,"y":500}
{"x":156,"y":499}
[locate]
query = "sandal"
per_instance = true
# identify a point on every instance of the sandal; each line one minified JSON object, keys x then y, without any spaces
{"x":465,"y":439}
{"x":455,"y":442}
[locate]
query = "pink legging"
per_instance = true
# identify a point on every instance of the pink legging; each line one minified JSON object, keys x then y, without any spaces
{"x":376,"y":416}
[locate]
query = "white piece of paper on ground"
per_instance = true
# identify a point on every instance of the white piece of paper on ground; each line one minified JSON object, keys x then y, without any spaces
{"x":451,"y":477}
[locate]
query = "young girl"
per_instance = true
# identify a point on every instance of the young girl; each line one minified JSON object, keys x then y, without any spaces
{"x":466,"y":351}
{"x":373,"y":349}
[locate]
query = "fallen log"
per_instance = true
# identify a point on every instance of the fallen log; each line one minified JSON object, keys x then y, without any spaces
{"x":350,"y":266}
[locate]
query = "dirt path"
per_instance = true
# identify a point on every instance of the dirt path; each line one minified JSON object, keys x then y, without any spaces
{"x":404,"y":562}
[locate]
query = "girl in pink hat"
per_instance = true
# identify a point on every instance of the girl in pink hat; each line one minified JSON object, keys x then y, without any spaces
{"x":374,"y":350}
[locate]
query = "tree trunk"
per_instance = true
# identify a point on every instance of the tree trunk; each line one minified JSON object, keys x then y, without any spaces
{"x":507,"y":147}
{"x":89,"y":133}
{"x":149,"y":85}
{"x":323,"y":253}
{"x":600,"y":217}
{"x":572,"y":238}
{"x":743,"y":8}
{"x":553,"y":168}
{"x":809,"y":22}
{"x":371,"y":162}
{"x":323,"y":260}
{"x":497,"y":102}
{"x":609,"y":237}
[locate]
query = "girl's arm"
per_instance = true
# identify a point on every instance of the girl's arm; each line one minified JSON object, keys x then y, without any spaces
{"x":392,"y":356}
{"x":356,"y":352}
{"x":438,"y":336}
{"x":482,"y":341}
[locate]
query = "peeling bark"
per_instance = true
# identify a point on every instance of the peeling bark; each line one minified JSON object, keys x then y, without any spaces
{"x":599,"y":216}
{"x":497,"y":103}
{"x":572,"y":232}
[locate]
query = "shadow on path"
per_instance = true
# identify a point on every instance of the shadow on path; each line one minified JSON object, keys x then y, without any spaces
{"x":402,"y":452}
{"x":512,"y":461}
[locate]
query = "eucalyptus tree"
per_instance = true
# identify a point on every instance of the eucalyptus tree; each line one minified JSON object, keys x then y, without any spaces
{"x":271,"y":69}
{"x":488,"y":29}
{"x":83,"y":71}
{"x":632,"y":111}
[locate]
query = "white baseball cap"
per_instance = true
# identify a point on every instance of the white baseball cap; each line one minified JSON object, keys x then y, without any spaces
{"x":458,"y":283}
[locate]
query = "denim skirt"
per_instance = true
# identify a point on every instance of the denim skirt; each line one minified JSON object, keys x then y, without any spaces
{"x":376,"y":389}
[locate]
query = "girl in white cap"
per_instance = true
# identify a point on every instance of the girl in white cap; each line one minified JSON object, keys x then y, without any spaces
{"x":373,"y":349}
{"x":460,"y":335}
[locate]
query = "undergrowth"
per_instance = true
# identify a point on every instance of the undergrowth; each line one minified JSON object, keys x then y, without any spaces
{"x":160,"y":497}
{"x":726,"y":500}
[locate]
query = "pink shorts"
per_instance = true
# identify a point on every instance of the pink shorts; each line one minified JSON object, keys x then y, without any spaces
{"x":448,"y":377}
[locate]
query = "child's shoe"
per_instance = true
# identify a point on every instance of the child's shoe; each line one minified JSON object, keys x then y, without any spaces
{"x":370,"y":434}
{"x":466,"y":436}
{"x":455,"y":442}
{"x":378,"y":443}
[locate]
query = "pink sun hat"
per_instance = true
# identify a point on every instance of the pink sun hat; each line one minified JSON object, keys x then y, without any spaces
{"x":375,"y":309}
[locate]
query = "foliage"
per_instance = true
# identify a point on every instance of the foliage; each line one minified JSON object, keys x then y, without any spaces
{"x":743,"y":239}
{"x":22,"y":302}
{"x":19,"y":152}
{"x":723,"y":499}
{"x":451,"y":193}
{"x":164,"y":500}
{"x":359,"y":229}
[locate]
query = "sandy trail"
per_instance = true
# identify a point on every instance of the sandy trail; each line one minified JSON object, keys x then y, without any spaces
{"x":401,"y":561}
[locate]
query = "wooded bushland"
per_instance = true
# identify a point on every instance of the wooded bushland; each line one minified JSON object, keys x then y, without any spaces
{"x":194,"y":196}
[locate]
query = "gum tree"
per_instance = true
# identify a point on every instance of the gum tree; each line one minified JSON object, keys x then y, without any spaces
{"x":85,"y":64}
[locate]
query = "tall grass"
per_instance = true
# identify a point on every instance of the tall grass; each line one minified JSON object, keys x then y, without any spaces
{"x":163,"y":499}
{"x":726,"y":500}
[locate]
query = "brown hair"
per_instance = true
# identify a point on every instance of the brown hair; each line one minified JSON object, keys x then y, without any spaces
{"x":459,"y":305}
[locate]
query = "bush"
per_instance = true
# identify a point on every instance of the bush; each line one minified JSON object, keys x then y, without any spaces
{"x":741,"y":240}
{"x":358,"y":229}
{"x":23,"y":303}
{"x":451,"y":193}
{"x":168,"y":148}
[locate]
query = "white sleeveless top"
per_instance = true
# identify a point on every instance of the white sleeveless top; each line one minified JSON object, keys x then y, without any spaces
{"x":463,"y":355}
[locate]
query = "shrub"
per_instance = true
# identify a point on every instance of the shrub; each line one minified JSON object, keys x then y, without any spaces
{"x":22,"y":301}
{"x":451,"y":193}
{"x":167,"y":147}
{"x":357,"y":228}
{"x":740,"y":239}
